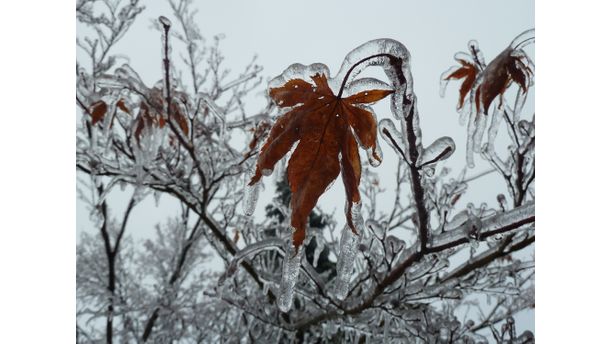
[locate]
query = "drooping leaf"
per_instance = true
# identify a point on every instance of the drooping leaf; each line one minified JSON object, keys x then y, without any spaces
{"x":468,"y":72}
{"x":98,"y":111}
{"x":155,"y":115}
{"x":506,"y":68}
{"x":325,"y":126}
{"x":123,"y":107}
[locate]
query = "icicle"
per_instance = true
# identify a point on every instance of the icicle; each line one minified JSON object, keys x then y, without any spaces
{"x":156,"y":196}
{"x":519,"y":102}
{"x":470,"y":139}
{"x":346,"y":255}
{"x":319,"y":246}
{"x":493,"y":128}
{"x":439,"y":150}
{"x":387,"y":320}
{"x":291,"y":271}
{"x":480,"y":125}
{"x":357,"y":218}
{"x":444,"y":335}
{"x":251,"y":194}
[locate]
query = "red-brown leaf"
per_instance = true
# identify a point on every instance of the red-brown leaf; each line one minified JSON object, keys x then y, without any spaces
{"x":322,"y":124}
{"x":468,"y":71}
{"x":121,"y":105}
{"x":498,"y":76}
{"x":98,"y":111}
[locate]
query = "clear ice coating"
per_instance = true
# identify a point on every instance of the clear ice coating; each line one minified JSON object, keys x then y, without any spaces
{"x":493,"y":128}
{"x":165,"y":21}
{"x":251,"y":194}
{"x":394,"y":59}
{"x":319,"y":245}
{"x":439,"y":150}
{"x":291,"y":271}
{"x":376,"y":228}
{"x":357,"y":218}
{"x":525,"y":38}
{"x":391,"y":135}
{"x":346,"y":256}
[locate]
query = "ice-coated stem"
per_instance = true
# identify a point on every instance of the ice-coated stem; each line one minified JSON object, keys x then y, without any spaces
{"x":348,"y":249}
{"x":291,"y":271}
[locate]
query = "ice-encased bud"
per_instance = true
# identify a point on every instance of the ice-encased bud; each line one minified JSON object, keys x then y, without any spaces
{"x":165,"y":22}
{"x":346,"y":256}
{"x":290,"y":274}
{"x":439,"y":150}
{"x":392,"y":136}
{"x":319,"y":246}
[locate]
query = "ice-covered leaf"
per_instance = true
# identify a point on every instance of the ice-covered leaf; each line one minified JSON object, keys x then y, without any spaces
{"x":98,"y":110}
{"x":328,"y":128}
{"x":467,"y":71}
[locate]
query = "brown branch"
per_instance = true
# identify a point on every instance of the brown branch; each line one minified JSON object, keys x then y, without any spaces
{"x":400,"y":268}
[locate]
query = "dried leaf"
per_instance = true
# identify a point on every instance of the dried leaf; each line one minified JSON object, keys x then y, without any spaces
{"x":467,"y":71}
{"x":155,"y":116}
{"x":506,"y":68}
{"x":98,"y":111}
{"x":323,"y":124}
{"x":121,"y":105}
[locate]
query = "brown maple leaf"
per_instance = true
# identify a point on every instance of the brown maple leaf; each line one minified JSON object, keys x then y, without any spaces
{"x":493,"y":80}
{"x":325,"y":126}
{"x":98,"y":111}
{"x":468,"y":72}
{"x":150,"y":116}
{"x":498,"y":75}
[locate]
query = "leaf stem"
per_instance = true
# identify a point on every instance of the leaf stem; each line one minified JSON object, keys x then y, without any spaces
{"x":348,"y":73}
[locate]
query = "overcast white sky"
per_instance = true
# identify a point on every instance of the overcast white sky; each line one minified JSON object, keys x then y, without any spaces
{"x":283,"y":32}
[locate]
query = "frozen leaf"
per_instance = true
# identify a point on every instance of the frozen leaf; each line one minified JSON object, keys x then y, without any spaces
{"x":467,"y":71}
{"x":326,"y":126}
{"x":503,"y":70}
{"x":98,"y":110}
